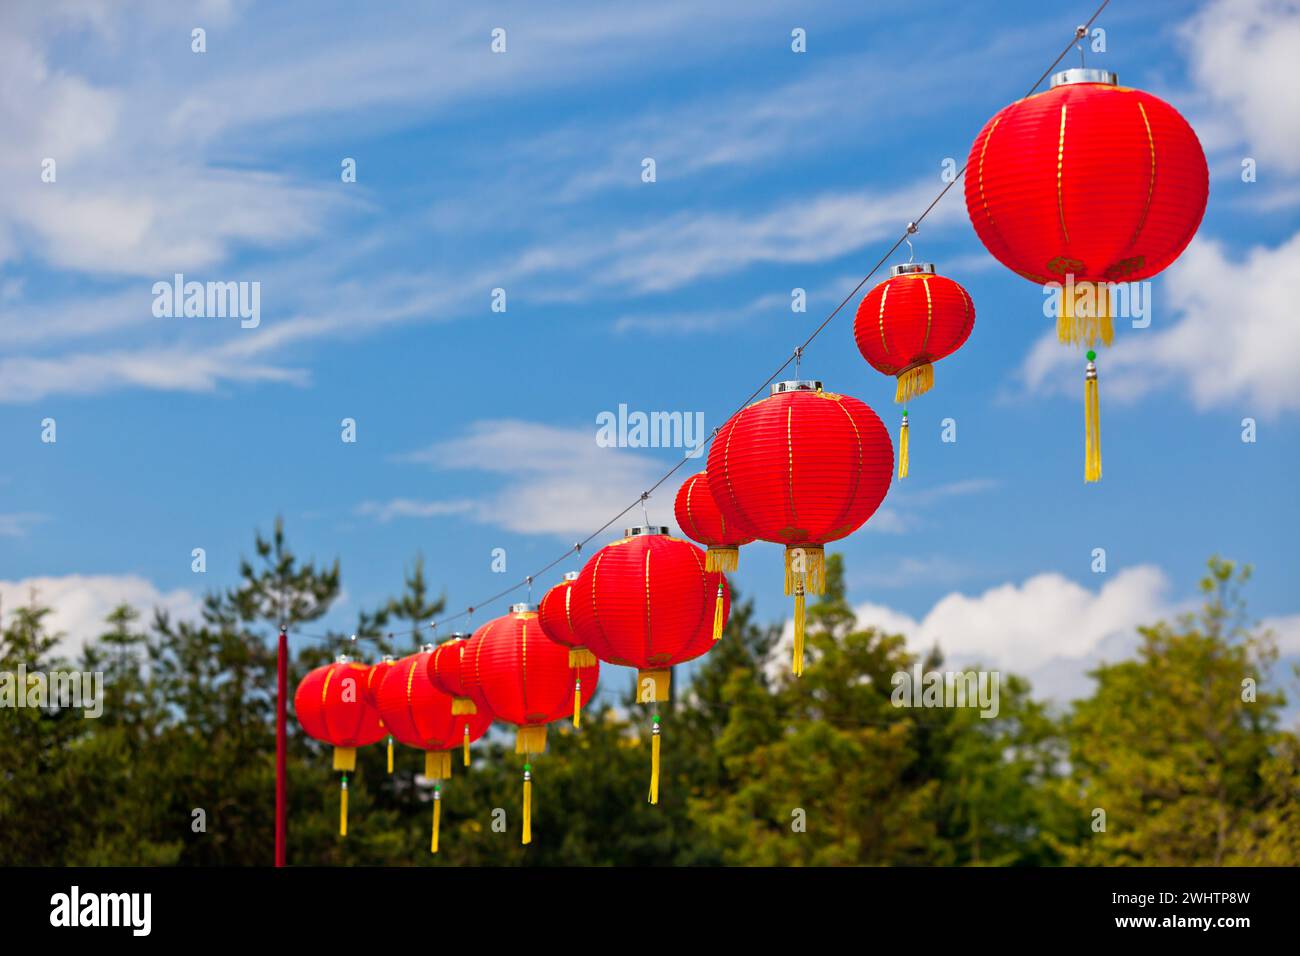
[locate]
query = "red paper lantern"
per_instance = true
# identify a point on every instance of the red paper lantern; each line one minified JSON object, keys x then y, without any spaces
{"x":701,"y":520}
{"x":1086,"y":184}
{"x":524,"y":679}
{"x":420,"y":715}
{"x":905,"y":325}
{"x":801,"y":468}
{"x":646,"y":601}
{"x":332,"y":707}
{"x":555,"y":615}
{"x":444,"y":669}
{"x":375,"y":677}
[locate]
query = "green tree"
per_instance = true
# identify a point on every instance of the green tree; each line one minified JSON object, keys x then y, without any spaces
{"x":1187,"y":768}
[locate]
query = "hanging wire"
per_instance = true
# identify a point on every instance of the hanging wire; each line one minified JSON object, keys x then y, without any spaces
{"x":1079,"y":32}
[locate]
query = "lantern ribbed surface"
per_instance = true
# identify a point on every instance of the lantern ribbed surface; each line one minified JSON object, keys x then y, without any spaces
{"x":375,"y":679}
{"x":646,"y":601}
{"x":801,"y":467}
{"x":331,"y":705}
{"x":446,"y":668}
{"x":555,"y":614}
{"x":521,"y":674}
{"x":910,"y":321}
{"x":418,"y":714}
{"x":701,"y":520}
{"x":1104,"y":182}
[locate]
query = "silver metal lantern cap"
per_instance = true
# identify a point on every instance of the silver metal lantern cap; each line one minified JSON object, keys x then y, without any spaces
{"x":643,"y":529}
{"x":908,"y":268}
{"x":1080,"y":74}
{"x":796,"y":385}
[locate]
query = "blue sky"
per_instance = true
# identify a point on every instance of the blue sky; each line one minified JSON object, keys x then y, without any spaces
{"x":522,"y":171}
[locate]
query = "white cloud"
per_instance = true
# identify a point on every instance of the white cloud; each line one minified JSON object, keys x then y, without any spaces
{"x":1023,"y":627}
{"x":554,"y":480}
{"x":16,"y":525}
{"x":1286,"y":630}
{"x":690,"y":246}
{"x":1235,"y":342}
{"x":27,"y":379}
{"x":80,"y":603}
{"x":1047,"y":628}
{"x":1242,"y":55}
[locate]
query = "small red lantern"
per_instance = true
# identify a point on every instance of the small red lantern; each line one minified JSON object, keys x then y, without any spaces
{"x":701,"y":520}
{"x":555,"y":614}
{"x":375,"y":677}
{"x":444,"y":669}
{"x":523,"y":677}
{"x":420,"y":715}
{"x":907,"y":323}
{"x":1086,"y":184}
{"x":332,"y":707}
{"x":645,"y":601}
{"x":802,"y":467}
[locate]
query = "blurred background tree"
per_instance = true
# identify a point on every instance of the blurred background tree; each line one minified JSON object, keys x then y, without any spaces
{"x":1180,"y":746}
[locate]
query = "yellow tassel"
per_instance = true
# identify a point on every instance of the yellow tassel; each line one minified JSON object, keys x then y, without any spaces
{"x":1091,"y":423}
{"x":437,"y":764}
{"x":580,"y":657}
{"x":654,"y":763}
{"x":343,"y":807}
{"x":722,"y":559}
{"x":903,"y":448}
{"x":718,"y":619}
{"x":530,"y":740}
{"x":463,"y":705}
{"x":808,"y":560}
{"x":390,"y":754}
{"x":1092,"y":322}
{"x":467,"y":745}
{"x":797,"y":665}
{"x":577,"y":702}
{"x":652,"y":686}
{"x":437,"y":813}
{"x":528,"y":805}
{"x":915,"y":381}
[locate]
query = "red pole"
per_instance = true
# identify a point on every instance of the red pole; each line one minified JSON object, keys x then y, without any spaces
{"x":282,"y":684}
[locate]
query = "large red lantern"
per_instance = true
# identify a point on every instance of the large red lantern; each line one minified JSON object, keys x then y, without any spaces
{"x":646,"y":601}
{"x":332,"y":707}
{"x":524,"y":678}
{"x":1082,"y":186}
{"x":375,"y":677}
{"x":802,"y":467}
{"x":701,"y":520}
{"x":420,"y":715}
{"x":555,"y":614}
{"x":444,"y":669}
{"x":906,"y":324}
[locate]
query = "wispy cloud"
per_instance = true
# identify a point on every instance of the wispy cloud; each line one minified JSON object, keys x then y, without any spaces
{"x":687,"y":247}
{"x":552,"y":480}
{"x":18,"y":524}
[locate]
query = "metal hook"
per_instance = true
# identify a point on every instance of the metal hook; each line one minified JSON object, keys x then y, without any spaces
{"x":644,"y":511}
{"x":911,"y":252}
{"x":798,"y":357}
{"x":1080,"y":32}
